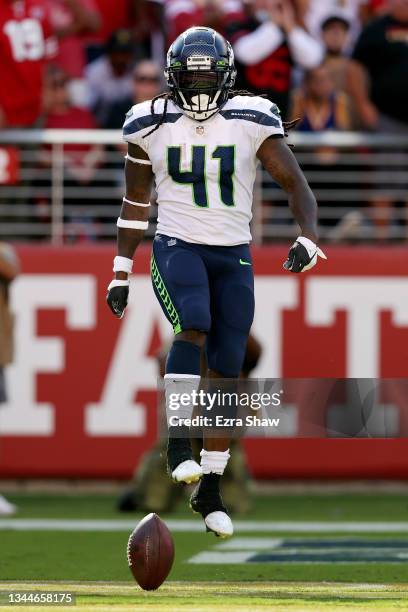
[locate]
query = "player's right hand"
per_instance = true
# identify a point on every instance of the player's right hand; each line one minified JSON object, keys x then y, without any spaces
{"x":303,"y":255}
{"x":117,"y":297}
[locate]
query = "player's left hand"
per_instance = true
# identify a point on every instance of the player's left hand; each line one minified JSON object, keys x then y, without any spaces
{"x":303,"y":255}
{"x":117,"y":297}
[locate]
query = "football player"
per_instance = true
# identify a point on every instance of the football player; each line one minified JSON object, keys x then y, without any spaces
{"x":201,"y":142}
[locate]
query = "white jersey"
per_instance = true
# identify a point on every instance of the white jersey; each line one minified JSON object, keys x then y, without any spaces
{"x":205,"y":171}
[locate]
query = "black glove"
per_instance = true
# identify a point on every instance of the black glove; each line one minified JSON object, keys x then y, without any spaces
{"x":303,"y":255}
{"x":117,"y":297}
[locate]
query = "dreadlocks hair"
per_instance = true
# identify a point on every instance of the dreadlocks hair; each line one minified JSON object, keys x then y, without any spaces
{"x":168,"y":95}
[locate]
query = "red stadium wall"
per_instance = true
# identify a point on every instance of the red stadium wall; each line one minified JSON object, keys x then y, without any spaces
{"x":82,"y":389}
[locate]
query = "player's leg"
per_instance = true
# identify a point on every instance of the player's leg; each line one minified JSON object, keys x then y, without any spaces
{"x":181,"y":285}
{"x":182,"y":378}
{"x":232,"y":310}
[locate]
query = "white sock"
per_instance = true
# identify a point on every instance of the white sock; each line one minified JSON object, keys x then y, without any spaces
{"x":175,"y":385}
{"x":214,"y":461}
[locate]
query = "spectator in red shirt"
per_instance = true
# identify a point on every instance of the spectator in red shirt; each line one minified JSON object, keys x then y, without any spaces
{"x":184,"y":14}
{"x":115,"y":15}
{"x":81,"y":161}
{"x":269,"y":41}
{"x":71,"y":21}
{"x":26,"y":44}
{"x":143,"y":17}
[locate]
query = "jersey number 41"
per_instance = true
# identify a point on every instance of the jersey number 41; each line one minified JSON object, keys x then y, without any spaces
{"x":197,"y":176}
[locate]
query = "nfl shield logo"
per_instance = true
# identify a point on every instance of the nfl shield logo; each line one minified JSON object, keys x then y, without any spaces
{"x":200,"y":130}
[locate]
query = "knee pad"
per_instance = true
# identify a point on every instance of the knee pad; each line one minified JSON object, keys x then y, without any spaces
{"x":226,"y":349}
{"x":229,"y":355}
{"x":237,"y":307}
{"x":195,"y":313}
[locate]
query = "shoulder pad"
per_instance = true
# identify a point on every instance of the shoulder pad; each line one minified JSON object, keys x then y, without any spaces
{"x":140,"y":117}
{"x":256,"y":102}
{"x":254,"y":109}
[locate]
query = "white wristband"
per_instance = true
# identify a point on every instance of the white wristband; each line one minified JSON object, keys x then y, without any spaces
{"x":135,"y":160}
{"x":136,"y":203}
{"x":118,"y":283}
{"x":137,"y":225}
{"x":122,"y":264}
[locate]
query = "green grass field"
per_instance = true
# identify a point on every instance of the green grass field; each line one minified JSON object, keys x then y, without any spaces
{"x":260,"y":568}
{"x":232,"y":596}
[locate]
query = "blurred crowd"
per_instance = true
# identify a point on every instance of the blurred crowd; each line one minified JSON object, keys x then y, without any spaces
{"x":338,"y":64}
{"x":335,"y":64}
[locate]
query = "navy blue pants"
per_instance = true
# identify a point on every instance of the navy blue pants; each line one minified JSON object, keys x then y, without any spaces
{"x":208,"y":289}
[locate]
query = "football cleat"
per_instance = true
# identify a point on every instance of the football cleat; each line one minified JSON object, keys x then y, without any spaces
{"x":188,"y":471}
{"x":180,"y":463}
{"x":220,"y":524}
{"x":206,"y":500}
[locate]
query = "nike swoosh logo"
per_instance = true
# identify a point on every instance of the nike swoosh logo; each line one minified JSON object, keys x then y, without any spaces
{"x":245,"y":263}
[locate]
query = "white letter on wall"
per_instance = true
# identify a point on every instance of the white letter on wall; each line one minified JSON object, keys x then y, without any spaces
{"x":22,"y":414}
{"x":131,"y":369}
{"x":363,"y":299}
{"x":272,"y":296}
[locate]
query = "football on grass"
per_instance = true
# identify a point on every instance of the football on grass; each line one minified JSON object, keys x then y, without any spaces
{"x":150,"y":552}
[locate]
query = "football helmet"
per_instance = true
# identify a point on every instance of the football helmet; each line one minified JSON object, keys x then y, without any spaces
{"x":200,"y":71}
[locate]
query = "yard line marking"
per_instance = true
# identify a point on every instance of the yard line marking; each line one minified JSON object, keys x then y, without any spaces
{"x":221,"y":558}
{"x":304,"y":550}
{"x":321,"y":544}
{"x":250,"y":544}
{"x":190,"y":526}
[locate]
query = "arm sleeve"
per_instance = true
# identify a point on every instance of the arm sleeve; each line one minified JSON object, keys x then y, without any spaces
{"x":250,"y":49}
{"x":269,"y":122}
{"x":306,"y":51}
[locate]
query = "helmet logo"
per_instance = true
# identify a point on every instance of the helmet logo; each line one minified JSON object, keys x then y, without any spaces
{"x":196,"y":62}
